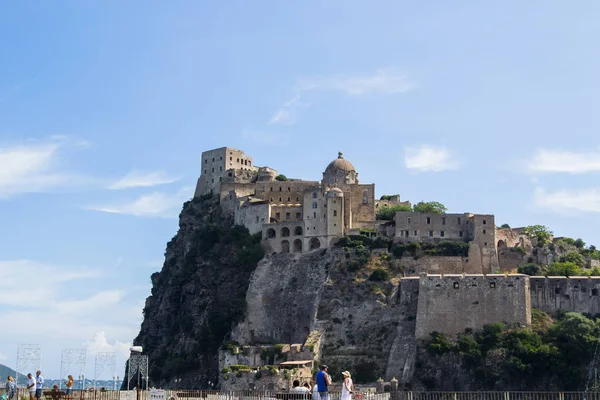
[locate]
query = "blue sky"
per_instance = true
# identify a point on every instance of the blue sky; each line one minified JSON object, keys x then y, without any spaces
{"x":105,"y":107}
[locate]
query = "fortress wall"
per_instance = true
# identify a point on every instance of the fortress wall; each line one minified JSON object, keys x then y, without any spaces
{"x":435,"y":265}
{"x":361,"y":211}
{"x":287,"y":191}
{"x":509,"y":259}
{"x":452,"y":303}
{"x":253,"y":217}
{"x":454,"y":226}
{"x":576,"y":293}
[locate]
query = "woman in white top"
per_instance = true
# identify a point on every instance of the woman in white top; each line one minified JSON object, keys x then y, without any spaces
{"x":347,"y":386}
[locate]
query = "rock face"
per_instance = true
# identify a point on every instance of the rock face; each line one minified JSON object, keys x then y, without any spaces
{"x":197,"y":296}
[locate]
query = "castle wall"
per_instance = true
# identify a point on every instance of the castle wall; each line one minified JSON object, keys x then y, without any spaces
{"x":576,"y":293}
{"x":288,"y":192}
{"x":416,"y":226}
{"x":362,"y":199}
{"x":484,"y":235}
{"x":452,"y":303}
{"x":286,"y":212}
{"x":253,"y":216}
{"x":438,"y":265}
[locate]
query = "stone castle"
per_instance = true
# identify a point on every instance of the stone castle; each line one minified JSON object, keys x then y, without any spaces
{"x":299,"y":216}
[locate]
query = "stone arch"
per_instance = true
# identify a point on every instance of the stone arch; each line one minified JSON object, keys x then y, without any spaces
{"x":270,"y":233}
{"x":297,"y":246}
{"x":285,"y":246}
{"x":314,"y":243}
{"x":285,"y":231}
{"x":298,"y":231}
{"x":501,"y":244}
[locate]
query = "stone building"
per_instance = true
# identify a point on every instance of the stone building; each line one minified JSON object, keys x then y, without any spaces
{"x":293,"y":215}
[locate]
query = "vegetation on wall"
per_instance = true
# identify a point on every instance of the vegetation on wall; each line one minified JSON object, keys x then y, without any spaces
{"x":387,"y":213}
{"x":550,"y":354}
{"x":281,"y":178}
{"x":539,"y":232}
{"x":434,"y":207}
{"x":388,"y":196}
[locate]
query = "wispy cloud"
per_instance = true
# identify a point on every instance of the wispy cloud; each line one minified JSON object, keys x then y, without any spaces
{"x":143,"y":179}
{"x":157,"y":204}
{"x":288,"y":112}
{"x":549,"y":161}
{"x":382,"y":81}
{"x":568,"y":201}
{"x":426,"y":158}
{"x":34,"y":168}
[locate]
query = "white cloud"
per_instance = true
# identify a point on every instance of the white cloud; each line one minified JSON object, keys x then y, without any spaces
{"x":427,"y":158}
{"x":157,"y":204}
{"x":288,"y":112}
{"x":99,"y":344}
{"x":387,"y":81}
{"x":546,"y":160}
{"x":382,"y":81}
{"x":34,"y":168}
{"x":568,"y":201}
{"x":143,"y":179}
{"x":97,"y":301}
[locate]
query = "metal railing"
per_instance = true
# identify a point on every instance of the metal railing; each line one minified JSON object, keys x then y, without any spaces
{"x":23,"y":394}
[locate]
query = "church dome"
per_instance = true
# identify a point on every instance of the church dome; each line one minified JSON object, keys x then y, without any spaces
{"x":339,"y":164}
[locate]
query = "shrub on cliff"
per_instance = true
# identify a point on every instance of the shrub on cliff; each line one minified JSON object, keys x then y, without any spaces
{"x":555,"y":355}
{"x":281,"y":178}
{"x":379,"y":275}
{"x":529,"y":269}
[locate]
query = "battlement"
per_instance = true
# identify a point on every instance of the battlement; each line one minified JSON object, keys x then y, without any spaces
{"x":575,"y":293}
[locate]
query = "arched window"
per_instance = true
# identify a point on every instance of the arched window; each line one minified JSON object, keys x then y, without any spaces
{"x":270,"y":233}
{"x":297,"y":246}
{"x":298,"y":231}
{"x":314,"y":244}
{"x":285,"y":246}
{"x":285,"y":231}
{"x":365,"y":197}
{"x":314,"y":195}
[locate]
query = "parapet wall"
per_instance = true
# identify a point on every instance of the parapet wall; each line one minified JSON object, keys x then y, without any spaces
{"x":577,"y":293}
{"x":452,"y":303}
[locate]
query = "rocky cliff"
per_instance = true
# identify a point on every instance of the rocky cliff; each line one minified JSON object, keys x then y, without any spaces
{"x":216,"y":285}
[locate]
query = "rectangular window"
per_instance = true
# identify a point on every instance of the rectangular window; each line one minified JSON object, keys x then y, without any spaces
{"x":415,"y":233}
{"x":221,"y":158}
{"x":460,"y":233}
{"x":277,"y":215}
{"x":220,"y":179}
{"x":458,"y":220}
{"x":484,"y":222}
{"x":206,"y":161}
{"x":257,"y":218}
{"x":408,"y":219}
{"x":237,"y":160}
{"x":213,"y":159}
{"x":335,"y":213}
{"x":205,"y":171}
{"x":443,"y":220}
{"x":288,"y":215}
{"x":406,"y":233}
{"x":484,"y":231}
{"x":442,"y":233}
{"x":220,"y":168}
{"x":430,"y":233}
{"x":428,"y":220}
{"x":298,"y":216}
{"x":213,"y":181}
{"x":230,"y":158}
{"x":315,"y":215}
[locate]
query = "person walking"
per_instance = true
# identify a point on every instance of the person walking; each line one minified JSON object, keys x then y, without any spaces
{"x":323,"y":381}
{"x":10,"y":388}
{"x":347,"y":386}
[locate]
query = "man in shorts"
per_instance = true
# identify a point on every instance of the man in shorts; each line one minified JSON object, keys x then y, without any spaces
{"x":39,"y":382}
{"x":30,"y":386}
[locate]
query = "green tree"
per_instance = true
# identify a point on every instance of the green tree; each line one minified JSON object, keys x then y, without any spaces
{"x":430,"y":207}
{"x":388,"y":196}
{"x":580,"y":244}
{"x":281,"y":178}
{"x":387,"y":213}
{"x":540,"y":232}
{"x":505,"y":226}
{"x":573,"y":257}
{"x":565,"y":269}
